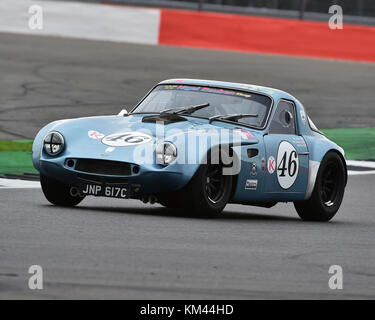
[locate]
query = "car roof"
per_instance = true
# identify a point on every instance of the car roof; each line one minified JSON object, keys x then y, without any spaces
{"x":271,"y":92}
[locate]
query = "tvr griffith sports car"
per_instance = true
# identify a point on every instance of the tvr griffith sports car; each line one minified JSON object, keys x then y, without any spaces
{"x":196,"y":145}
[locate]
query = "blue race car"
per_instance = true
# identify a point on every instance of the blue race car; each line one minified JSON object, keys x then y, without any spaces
{"x":196,"y":145}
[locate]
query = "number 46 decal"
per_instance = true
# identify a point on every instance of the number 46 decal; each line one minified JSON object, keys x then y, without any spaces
{"x":287,"y":165}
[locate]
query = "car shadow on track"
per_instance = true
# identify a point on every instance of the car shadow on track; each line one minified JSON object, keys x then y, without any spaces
{"x":165,"y":212}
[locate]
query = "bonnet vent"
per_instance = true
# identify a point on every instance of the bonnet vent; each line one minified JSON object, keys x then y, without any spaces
{"x":166,"y":118}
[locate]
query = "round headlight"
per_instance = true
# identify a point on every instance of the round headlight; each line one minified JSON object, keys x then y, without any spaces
{"x":166,"y":153}
{"x":53,"y":143}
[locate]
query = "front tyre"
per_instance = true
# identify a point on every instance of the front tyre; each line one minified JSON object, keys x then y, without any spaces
{"x":208,"y":191}
{"x":328,"y":191}
{"x":58,"y":193}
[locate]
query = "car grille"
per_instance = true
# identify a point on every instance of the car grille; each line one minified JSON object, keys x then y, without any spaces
{"x":107,"y":167}
{"x":100,"y":179}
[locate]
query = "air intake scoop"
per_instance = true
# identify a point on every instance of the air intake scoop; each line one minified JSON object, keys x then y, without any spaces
{"x":165,"y":118}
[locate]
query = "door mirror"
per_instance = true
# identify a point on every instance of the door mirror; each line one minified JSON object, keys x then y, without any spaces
{"x":123,"y":112}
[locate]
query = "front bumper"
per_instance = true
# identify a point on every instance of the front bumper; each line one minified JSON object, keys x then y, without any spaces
{"x":145,"y":180}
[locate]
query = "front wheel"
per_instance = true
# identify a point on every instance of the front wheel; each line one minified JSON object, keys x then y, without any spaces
{"x":208,"y":191}
{"x":58,"y":193}
{"x":328,"y":191}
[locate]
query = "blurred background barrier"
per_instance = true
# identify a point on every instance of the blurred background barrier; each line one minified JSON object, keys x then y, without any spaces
{"x":192,"y":28}
{"x":355,"y":11}
{"x":266,"y":35}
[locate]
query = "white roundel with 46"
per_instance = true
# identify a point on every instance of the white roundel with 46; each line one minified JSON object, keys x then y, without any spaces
{"x":287,"y":165}
{"x":128,"y":138}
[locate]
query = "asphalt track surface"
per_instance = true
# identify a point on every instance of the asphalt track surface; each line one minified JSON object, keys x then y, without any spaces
{"x":124,"y":249}
{"x":44,"y":79}
{"x":108,"y":248}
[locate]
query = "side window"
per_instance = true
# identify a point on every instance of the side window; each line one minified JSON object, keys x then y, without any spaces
{"x":283,"y":121}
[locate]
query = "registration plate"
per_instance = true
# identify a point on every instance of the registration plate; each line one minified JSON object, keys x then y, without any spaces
{"x":105,"y":191}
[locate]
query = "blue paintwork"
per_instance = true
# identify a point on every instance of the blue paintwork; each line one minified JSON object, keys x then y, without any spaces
{"x":154,"y":178}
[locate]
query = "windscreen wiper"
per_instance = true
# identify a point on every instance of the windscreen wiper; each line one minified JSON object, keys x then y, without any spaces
{"x":234,"y":117}
{"x":185,"y":110}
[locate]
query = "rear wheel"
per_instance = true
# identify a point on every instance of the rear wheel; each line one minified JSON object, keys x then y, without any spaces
{"x":58,"y":193}
{"x":208,"y":191}
{"x":328,"y":191}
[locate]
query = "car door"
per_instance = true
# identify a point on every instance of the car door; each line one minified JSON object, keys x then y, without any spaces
{"x":287,"y":156}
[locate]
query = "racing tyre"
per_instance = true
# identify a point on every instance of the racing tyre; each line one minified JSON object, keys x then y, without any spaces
{"x":328,"y":191}
{"x":58,"y":193}
{"x":208,"y":191}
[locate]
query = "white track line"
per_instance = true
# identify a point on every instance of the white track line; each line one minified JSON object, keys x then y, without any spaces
{"x":362,"y":164}
{"x":366,"y":164}
{"x":359,"y":173}
{"x":18,"y":184}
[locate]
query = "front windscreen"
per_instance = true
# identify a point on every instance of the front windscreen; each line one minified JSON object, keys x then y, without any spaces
{"x":221,"y":102}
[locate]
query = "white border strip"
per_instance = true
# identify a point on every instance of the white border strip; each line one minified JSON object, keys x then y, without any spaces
{"x":91,"y":21}
{"x":363,"y":164}
{"x":359,"y":173}
{"x":355,"y":163}
{"x":18,"y":184}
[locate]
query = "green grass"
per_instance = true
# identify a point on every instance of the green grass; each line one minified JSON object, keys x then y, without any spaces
{"x":16,"y":162}
{"x":358,"y":143}
{"x":15,"y":157}
{"x":16,"y":145}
